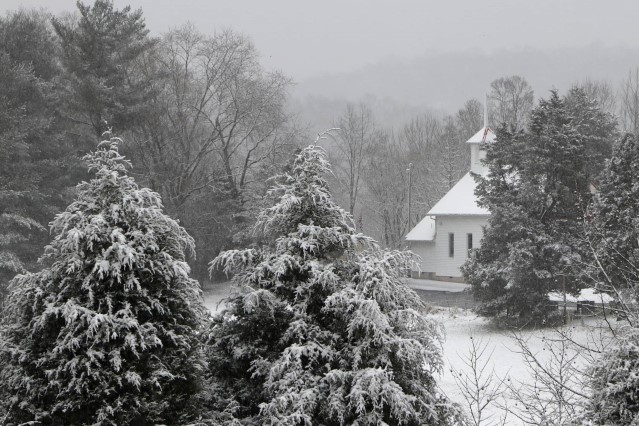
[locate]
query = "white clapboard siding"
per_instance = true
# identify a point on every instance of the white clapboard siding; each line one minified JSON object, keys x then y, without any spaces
{"x":457,"y":212}
{"x":435,"y":255}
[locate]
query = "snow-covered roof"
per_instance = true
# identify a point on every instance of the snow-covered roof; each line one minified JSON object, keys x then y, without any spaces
{"x":423,"y":231}
{"x":484,"y":135}
{"x":460,"y":200}
{"x":586,"y":295}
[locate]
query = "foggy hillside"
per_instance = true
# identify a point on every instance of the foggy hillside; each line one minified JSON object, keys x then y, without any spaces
{"x":444,"y":81}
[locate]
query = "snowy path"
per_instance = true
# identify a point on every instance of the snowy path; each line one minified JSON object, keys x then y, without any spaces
{"x":214,"y":293}
{"x":431,"y":285}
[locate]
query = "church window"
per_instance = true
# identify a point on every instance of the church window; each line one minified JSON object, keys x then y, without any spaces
{"x":451,"y":244}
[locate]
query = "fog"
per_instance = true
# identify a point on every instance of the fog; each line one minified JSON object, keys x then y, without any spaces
{"x":412,"y":52}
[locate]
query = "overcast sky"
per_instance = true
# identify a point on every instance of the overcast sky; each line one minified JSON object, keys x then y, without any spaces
{"x":307,"y":38}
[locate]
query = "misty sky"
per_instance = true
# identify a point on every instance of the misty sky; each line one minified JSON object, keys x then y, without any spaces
{"x":306,"y":38}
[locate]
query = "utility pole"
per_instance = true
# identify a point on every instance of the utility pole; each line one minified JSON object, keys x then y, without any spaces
{"x":410,"y":186}
{"x":563,"y":287}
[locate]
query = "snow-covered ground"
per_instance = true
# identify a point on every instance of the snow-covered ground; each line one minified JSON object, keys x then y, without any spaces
{"x":502,"y":353}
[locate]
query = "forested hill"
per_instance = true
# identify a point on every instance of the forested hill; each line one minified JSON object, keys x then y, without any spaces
{"x":443,"y":81}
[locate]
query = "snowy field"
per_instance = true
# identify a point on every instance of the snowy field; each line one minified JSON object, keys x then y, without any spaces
{"x":502,"y":355}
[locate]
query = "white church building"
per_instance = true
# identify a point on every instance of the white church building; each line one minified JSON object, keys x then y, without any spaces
{"x":453,"y":227}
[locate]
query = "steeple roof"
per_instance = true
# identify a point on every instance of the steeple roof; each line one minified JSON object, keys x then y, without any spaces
{"x":484,"y":135}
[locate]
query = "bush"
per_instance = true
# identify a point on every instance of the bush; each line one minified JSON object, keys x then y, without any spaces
{"x":615,"y":383}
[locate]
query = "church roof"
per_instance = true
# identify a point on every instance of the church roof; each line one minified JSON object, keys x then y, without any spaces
{"x":460,"y":200}
{"x":484,"y":135}
{"x":423,"y":231}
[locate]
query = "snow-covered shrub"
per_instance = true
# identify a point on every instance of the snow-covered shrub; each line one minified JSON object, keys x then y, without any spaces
{"x":615,"y":383}
{"x":107,"y":332}
{"x":322,"y":330}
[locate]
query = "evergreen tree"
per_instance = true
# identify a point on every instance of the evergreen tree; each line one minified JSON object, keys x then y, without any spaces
{"x":322,"y":330}
{"x":30,"y":160}
{"x":16,"y":182}
{"x":596,"y":127}
{"x":100,"y":51}
{"x":28,"y":38}
{"x":37,"y":165}
{"x":613,"y":234}
{"x":614,"y":229}
{"x":107,"y":332}
{"x":536,"y":190}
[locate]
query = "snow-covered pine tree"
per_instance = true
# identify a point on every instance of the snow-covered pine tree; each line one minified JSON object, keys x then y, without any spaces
{"x":107,"y":332}
{"x":536,"y":191}
{"x":614,"y":228}
{"x":615,"y":383}
{"x":613,"y":233}
{"x":322,"y":330}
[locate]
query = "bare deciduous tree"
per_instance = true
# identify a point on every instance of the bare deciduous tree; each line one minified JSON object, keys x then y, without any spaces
{"x":453,"y":154}
{"x":602,"y":92}
{"x":556,"y":391}
{"x":215,"y":130}
{"x":420,"y":138}
{"x":387,"y":187}
{"x":354,"y":142}
{"x":470,"y":118}
{"x":479,"y":385}
{"x":218,"y":118}
{"x":511,"y":101}
{"x":629,"y":99}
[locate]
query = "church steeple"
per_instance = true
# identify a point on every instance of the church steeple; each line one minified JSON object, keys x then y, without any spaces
{"x":485,"y":135}
{"x":485,"y":110}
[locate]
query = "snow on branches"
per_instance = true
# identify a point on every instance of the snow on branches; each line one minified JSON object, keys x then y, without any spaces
{"x":107,"y":332}
{"x":322,"y":328}
{"x":615,"y":382}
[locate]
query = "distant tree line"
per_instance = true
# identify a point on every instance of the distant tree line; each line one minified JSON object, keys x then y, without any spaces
{"x":204,"y":123}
